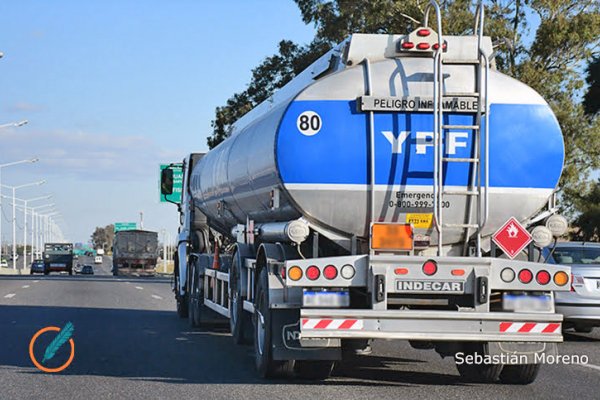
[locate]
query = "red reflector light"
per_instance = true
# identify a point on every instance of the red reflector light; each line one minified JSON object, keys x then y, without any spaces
{"x":408,"y":45}
{"x":525,"y":276}
{"x":423,"y":32}
{"x":313,"y":273}
{"x":430,"y":267}
{"x":401,"y":271}
{"x":543,"y":277}
{"x":423,"y":46}
{"x":330,"y":272}
{"x":458,"y":272}
{"x":437,"y":46}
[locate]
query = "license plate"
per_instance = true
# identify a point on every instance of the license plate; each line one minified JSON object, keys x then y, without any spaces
{"x":431,"y":286}
{"x":526,"y":303}
{"x":325,"y":299}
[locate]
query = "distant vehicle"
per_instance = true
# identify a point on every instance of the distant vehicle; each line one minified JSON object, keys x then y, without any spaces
{"x":37,"y":266}
{"x":87,"y":270}
{"x":98,"y":260}
{"x":77,"y":268}
{"x":75,"y":257}
{"x":58,"y":257}
{"x":135,"y":253}
{"x":581,"y":306}
{"x":100,"y":252}
{"x":3,"y":263}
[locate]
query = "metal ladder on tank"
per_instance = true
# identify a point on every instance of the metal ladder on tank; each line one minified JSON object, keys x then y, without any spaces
{"x":477,"y":193}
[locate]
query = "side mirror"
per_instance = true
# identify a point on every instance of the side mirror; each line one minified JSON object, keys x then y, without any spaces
{"x":166,"y":181}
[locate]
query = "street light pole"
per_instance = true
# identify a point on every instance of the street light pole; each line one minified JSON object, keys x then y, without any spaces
{"x":14,"y":216}
{"x":32,"y":160}
{"x":36,"y":222}
{"x":25,"y":228}
{"x":14,"y":124}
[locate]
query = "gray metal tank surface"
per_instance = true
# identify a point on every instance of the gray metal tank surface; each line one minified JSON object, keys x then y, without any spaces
{"x":321,"y":174}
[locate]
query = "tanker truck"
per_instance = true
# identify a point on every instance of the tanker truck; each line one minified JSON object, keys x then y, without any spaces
{"x":359,"y":202}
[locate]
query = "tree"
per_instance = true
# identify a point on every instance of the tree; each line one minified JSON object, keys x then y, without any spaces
{"x":102,"y":238}
{"x":591,"y":100}
{"x":588,"y":222}
{"x":550,"y":60}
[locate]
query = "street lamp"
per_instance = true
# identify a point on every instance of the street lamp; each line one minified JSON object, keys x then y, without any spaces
{"x":25,"y":227}
{"x":35,"y":223}
{"x":14,"y":124}
{"x":14,"y":215}
{"x":10,"y":164}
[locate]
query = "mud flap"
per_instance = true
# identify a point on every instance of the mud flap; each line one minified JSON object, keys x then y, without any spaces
{"x":286,"y":343}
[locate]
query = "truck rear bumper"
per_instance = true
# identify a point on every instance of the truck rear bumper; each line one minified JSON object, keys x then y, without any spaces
{"x":429,"y":325}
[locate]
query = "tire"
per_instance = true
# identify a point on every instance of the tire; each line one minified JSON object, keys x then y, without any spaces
{"x":478,"y":373}
{"x":519,"y":374}
{"x":46,"y":272}
{"x":181,"y":301}
{"x":195,"y":299}
{"x":313,"y":370}
{"x":263,"y":345}
{"x":240,"y":322}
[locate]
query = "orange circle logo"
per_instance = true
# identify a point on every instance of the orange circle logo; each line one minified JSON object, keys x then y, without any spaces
{"x":38,"y":364}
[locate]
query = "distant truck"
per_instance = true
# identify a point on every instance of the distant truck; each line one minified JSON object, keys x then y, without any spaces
{"x":135,"y":253}
{"x":58,"y":257}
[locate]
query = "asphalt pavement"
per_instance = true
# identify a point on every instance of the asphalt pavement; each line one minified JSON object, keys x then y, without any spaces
{"x":129,"y":343}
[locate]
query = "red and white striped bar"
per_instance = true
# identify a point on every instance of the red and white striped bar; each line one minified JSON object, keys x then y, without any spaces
{"x":529,"y":327}
{"x":332,"y":324}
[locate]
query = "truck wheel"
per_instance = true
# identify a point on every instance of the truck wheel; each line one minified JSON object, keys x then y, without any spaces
{"x":480,"y":373}
{"x":313,"y":370}
{"x":182,"y":301}
{"x":519,"y":374}
{"x":195,"y":299}
{"x":240,"y":323}
{"x":265,"y":365}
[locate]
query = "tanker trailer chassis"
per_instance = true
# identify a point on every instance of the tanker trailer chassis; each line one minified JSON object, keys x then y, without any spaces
{"x":309,"y":268}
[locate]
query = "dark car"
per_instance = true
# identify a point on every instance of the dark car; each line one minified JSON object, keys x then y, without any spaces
{"x":37,"y":266}
{"x":87,"y":270}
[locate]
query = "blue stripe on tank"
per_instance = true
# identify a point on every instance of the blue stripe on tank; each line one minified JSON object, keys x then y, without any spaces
{"x":526,"y":146}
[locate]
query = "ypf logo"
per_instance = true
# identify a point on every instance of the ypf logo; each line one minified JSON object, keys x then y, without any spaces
{"x":64,"y":335}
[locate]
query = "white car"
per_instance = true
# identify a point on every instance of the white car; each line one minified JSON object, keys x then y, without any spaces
{"x":3,"y":263}
{"x":98,"y":260}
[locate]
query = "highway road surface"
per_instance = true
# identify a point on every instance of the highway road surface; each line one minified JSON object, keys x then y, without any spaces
{"x":129,"y":343}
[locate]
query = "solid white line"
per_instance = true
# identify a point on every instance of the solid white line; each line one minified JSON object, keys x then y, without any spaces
{"x":157,"y":297}
{"x":9,"y":296}
{"x":139,"y":287}
{"x":35,"y":281}
{"x":592,"y":366}
{"x":25,"y":286}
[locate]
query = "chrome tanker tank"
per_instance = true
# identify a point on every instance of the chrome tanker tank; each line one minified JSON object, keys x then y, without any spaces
{"x":305,"y":151}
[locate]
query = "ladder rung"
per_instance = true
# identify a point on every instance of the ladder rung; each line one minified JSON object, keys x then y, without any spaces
{"x":453,"y":159}
{"x":462,"y":192}
{"x":463,"y":62}
{"x":463,"y":226}
{"x":473,"y":127}
{"x":457,"y":94}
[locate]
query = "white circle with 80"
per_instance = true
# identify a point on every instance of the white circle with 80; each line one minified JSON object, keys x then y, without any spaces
{"x":309,"y":123}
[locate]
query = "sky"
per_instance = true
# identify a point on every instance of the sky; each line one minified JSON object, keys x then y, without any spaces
{"x":113,"y":88}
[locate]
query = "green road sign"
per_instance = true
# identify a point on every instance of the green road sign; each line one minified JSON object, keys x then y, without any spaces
{"x":177,"y":183}
{"x":125,"y":226}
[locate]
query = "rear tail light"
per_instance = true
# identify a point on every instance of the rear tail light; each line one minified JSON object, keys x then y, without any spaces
{"x":507,"y":275}
{"x":423,"y":32}
{"x":330,"y":272}
{"x":401,"y":271}
{"x":408,"y":45}
{"x":313,"y":273}
{"x":348,"y":271}
{"x":561,"y":278}
{"x":525,"y":276}
{"x":542,"y":277}
{"x":457,"y":272}
{"x":295,"y":273}
{"x":423,"y":46}
{"x":430,"y":267}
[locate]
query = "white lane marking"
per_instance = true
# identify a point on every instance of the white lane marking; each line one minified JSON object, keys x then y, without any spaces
{"x":129,"y":283}
{"x":139,"y":287}
{"x":156,"y":297}
{"x":35,"y":281}
{"x":25,"y":286}
{"x":592,"y":366}
{"x":10,"y":296}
